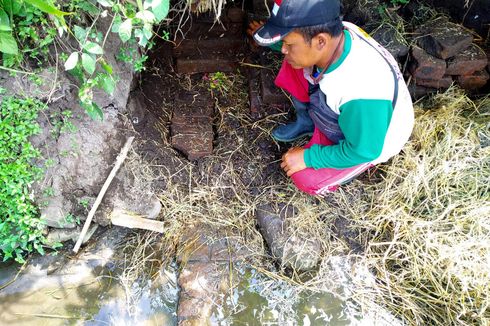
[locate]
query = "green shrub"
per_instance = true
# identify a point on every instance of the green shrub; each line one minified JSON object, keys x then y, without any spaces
{"x":21,"y":229}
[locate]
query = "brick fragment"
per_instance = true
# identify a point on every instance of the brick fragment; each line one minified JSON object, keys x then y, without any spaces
{"x":426,"y":66}
{"x":444,"y":82}
{"x":191,"y":126}
{"x":192,"y":111}
{"x":271,"y":94}
{"x":467,"y":62}
{"x":443,"y":39}
{"x":194,"y":146}
{"x":190,"y":47}
{"x":474,"y":81}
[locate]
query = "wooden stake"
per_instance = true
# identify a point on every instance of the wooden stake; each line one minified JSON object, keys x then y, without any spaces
{"x":120,"y":159}
{"x":121,"y":218}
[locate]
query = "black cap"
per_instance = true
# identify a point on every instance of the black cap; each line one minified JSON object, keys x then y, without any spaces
{"x":287,"y":15}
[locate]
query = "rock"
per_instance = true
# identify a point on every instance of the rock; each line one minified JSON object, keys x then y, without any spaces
{"x":364,"y":14}
{"x":426,"y":66}
{"x":475,"y":15}
{"x":467,"y":62}
{"x":49,"y":84}
{"x":137,"y":110}
{"x":56,"y":212}
{"x":63,"y":235}
{"x":417,"y":91}
{"x":474,"y":81}
{"x":444,"y":82}
{"x":123,"y":70}
{"x":392,"y":40}
{"x":294,"y":250}
{"x":201,"y":286}
{"x":443,"y":39}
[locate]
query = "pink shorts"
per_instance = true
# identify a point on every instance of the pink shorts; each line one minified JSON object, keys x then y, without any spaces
{"x":309,"y":180}
{"x":322,"y":181}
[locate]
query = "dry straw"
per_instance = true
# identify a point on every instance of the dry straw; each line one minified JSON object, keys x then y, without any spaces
{"x":427,"y":232}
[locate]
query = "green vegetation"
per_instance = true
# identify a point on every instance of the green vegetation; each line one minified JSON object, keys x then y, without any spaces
{"x":36,"y":32}
{"x":21,"y":230}
{"x":32,"y":29}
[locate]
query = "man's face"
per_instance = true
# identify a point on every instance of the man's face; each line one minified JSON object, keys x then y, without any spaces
{"x":298,"y":53}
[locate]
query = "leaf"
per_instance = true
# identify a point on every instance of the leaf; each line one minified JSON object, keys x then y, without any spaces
{"x":147,"y":31}
{"x":146,"y":16}
{"x":8,"y":44}
{"x":108,"y":84}
{"x":116,"y":24}
{"x":47,"y":7}
{"x":93,"y":110}
{"x":147,"y":4}
{"x":107,"y":67}
{"x":125,"y":30}
{"x":88,"y":63}
{"x":80,"y":33}
{"x":72,"y":61}
{"x":12,"y":6}
{"x":141,"y":36}
{"x":160,"y":9}
{"x":4,"y":21}
{"x":105,"y":3}
{"x":93,"y":48}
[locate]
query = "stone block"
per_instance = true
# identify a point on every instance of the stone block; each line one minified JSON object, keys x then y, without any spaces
{"x":426,"y":66}
{"x":293,"y":249}
{"x":191,"y":125}
{"x":474,"y":81}
{"x":194,"y":98}
{"x":271,"y":94}
{"x":444,"y":82}
{"x":200,"y":65}
{"x":392,"y":40}
{"x":443,"y":39}
{"x":193,"y":146}
{"x":193,"y":111}
{"x":467,"y":62}
{"x":190,"y":47}
{"x":417,"y":91}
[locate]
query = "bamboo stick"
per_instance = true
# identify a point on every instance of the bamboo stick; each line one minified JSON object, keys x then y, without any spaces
{"x":120,"y":159}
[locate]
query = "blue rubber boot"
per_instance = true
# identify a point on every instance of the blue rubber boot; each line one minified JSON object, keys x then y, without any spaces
{"x":303,"y":126}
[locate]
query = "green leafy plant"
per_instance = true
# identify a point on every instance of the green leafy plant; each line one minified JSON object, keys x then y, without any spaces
{"x":26,"y":13}
{"x":21,"y":229}
{"x":29,"y":27}
{"x":218,"y":81}
{"x":132,"y":24}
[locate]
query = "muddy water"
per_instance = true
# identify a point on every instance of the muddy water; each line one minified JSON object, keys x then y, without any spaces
{"x":258,"y":300}
{"x":102,"y":300}
{"x":97,"y":300}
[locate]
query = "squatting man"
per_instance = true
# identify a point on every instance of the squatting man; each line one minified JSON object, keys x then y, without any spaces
{"x":347,"y":90}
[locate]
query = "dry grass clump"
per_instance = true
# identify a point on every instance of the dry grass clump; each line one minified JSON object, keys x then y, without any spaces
{"x":428,"y":229}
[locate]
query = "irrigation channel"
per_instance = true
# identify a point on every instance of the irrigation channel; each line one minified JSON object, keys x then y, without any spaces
{"x":97,"y":289}
{"x":210,"y":187}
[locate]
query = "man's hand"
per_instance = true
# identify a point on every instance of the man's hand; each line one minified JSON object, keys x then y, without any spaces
{"x":293,"y":160}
